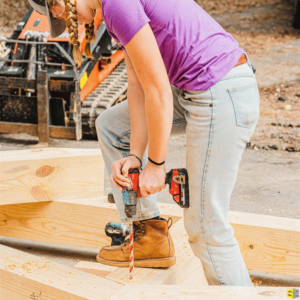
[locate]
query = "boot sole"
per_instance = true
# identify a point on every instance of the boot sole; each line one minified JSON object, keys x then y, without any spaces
{"x":144,"y":263}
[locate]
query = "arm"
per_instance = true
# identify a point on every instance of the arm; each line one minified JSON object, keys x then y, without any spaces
{"x":149,"y":99}
{"x":136,"y":104}
{"x":139,"y":132}
{"x":152,"y":75}
{"x":151,"y":72}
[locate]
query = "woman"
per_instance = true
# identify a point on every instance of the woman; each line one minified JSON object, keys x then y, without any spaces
{"x":186,"y":74}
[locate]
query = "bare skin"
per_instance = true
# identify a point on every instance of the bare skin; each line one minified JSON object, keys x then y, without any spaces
{"x":150,"y":105}
{"x":84,"y":11}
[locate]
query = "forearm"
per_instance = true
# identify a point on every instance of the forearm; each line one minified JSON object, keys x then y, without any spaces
{"x":159,"y":114}
{"x":148,"y":69}
{"x":139,"y":132}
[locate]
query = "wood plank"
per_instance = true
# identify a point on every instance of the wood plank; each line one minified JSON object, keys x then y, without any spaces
{"x":137,"y":292}
{"x":23,"y":274}
{"x":43,"y":106}
{"x":16,"y":83}
{"x":15,"y":128}
{"x":32,"y":129}
{"x":170,"y":275}
{"x":268,"y":244}
{"x":79,"y":222}
{"x":61,"y":132}
{"x":94,"y":268}
{"x":37,"y":175}
{"x":190,"y":273}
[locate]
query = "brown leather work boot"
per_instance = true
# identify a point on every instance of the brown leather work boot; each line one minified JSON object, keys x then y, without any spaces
{"x":153,"y":247}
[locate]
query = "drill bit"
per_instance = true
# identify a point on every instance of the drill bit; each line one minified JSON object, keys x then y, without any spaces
{"x":131,"y":257}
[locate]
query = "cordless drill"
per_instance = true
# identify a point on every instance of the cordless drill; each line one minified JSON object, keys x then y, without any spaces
{"x":178,"y":182}
{"x":117,"y":232}
{"x":132,"y":193}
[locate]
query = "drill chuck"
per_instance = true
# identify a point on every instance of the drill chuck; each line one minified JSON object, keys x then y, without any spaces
{"x":130,"y":199}
{"x":131,"y":194}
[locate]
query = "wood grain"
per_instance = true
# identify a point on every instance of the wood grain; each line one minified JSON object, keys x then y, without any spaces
{"x":94,"y":268}
{"x":23,"y":274}
{"x":78,"y":222}
{"x":144,"y":292}
{"x":268,"y":244}
{"x":50,"y":174}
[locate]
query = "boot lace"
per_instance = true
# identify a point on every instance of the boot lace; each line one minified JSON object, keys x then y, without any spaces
{"x":138,"y":232}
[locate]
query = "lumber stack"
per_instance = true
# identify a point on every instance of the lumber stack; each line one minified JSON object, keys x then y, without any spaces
{"x":55,"y":195}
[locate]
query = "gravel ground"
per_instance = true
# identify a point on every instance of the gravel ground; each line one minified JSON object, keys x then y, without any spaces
{"x":268,"y":182}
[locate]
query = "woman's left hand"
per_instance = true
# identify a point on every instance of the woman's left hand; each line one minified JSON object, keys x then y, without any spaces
{"x":152,"y":179}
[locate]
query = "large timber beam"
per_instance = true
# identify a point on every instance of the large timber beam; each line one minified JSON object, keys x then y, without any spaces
{"x":145,"y":292}
{"x":38,"y":175}
{"x":79,"y":222}
{"x":268,"y":244}
{"x":26,"y":276}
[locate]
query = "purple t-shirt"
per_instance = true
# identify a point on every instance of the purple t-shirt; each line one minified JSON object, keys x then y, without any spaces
{"x":196,"y":50}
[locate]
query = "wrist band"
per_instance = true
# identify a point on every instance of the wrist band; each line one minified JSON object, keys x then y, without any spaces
{"x":158,"y":164}
{"x":131,"y":154}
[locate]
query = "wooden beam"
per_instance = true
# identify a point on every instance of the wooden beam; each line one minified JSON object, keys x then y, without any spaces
{"x":137,"y":292}
{"x":79,"y":222}
{"x":94,"y":268}
{"x":268,"y":244}
{"x":38,"y":175}
{"x":15,"y":128}
{"x":61,"y":132}
{"x":43,"y":106}
{"x":23,"y":274}
{"x":179,"y":273}
{"x":189,"y":273}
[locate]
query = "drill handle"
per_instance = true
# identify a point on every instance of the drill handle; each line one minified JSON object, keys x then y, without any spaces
{"x":169,"y":178}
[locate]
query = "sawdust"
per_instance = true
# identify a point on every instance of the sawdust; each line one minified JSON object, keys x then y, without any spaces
{"x":28,"y":266}
{"x":255,"y":281}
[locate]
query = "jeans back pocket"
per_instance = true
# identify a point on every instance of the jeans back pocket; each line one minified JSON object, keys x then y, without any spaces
{"x":246,"y":102}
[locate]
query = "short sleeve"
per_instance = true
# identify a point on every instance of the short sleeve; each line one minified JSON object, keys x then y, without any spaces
{"x":124,"y":18}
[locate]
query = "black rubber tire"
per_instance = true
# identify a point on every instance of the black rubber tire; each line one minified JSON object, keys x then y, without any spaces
{"x":296,"y":22}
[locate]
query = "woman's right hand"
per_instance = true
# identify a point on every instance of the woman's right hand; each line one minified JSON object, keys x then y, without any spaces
{"x":120,"y":171}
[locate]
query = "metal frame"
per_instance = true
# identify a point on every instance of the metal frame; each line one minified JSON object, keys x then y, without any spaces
{"x":43,"y":86}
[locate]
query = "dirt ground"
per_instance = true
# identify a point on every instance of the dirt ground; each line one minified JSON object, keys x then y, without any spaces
{"x":268,"y":181}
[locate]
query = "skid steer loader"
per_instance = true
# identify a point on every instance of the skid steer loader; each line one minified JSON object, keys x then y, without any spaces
{"x":42,"y":93}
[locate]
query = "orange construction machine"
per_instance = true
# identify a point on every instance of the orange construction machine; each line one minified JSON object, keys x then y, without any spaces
{"x":41,"y":91}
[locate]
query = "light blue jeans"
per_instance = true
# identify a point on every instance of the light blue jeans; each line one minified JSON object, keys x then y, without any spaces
{"x":218,"y":123}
